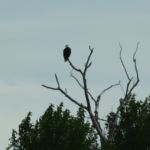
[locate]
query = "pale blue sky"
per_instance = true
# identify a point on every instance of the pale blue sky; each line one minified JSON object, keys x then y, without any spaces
{"x":33,"y":34}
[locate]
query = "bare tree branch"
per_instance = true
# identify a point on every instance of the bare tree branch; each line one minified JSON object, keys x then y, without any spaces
{"x":74,"y":68}
{"x":99,"y":98}
{"x":129,"y":87}
{"x":122,"y":88}
{"x":88,"y":94}
{"x":87,"y":64}
{"x":64,"y":93}
{"x":98,"y":128}
{"x":71,"y":74}
{"x":48,"y":87}
{"x":86,"y":91}
{"x":111,"y":86}
{"x":91,"y":96}
{"x":123,"y":62}
{"x":137,"y":46}
{"x":134,"y":60}
{"x":136,"y":71}
{"x":80,"y":84}
{"x":57,"y":80}
{"x":71,"y":99}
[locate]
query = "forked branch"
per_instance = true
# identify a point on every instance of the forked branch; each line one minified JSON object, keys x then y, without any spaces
{"x":97,"y":102}
{"x":123,"y":65}
{"x":58,"y":88}
{"x":130,"y":86}
{"x":88,"y":63}
{"x":80,"y":84}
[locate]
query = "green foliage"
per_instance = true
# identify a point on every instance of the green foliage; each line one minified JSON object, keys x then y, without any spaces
{"x":55,"y":130}
{"x":133,"y":130}
{"x":13,"y":141}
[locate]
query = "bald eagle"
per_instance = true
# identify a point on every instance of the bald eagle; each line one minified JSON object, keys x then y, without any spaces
{"x":66,"y":52}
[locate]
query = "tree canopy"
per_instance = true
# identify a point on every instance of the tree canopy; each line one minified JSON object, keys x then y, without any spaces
{"x":56,"y":129}
{"x":133,"y":129}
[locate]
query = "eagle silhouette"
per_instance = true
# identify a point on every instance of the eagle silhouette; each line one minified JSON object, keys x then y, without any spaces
{"x":66,"y":52}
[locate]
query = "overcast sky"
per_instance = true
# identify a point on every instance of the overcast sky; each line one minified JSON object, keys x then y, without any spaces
{"x":32,"y":37}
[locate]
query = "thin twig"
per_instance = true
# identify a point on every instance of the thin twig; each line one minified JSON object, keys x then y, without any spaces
{"x":129,"y":89}
{"x":57,"y":80}
{"x":48,"y":87}
{"x":137,"y":46}
{"x":123,"y":62}
{"x":99,"y":98}
{"x":64,"y":93}
{"x":134,"y":60}
{"x":122,"y":88}
{"x":136,"y":70}
{"x":71,"y":74}
{"x":87,"y":64}
{"x":111,"y":86}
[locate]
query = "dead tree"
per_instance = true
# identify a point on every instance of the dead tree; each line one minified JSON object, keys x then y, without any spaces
{"x":89,"y":98}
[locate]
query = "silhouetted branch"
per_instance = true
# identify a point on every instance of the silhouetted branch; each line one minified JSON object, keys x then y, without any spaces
{"x":123,"y":62}
{"x":64,"y":93}
{"x":48,"y":87}
{"x":111,"y":86}
{"x":85,"y":83}
{"x":99,"y":98}
{"x":87,"y":94}
{"x":129,"y":87}
{"x":91,"y":96}
{"x":135,"y":66}
{"x":57,"y":80}
{"x":122,"y":88}
{"x":71,"y":74}
{"x":74,"y":68}
{"x":87,"y":64}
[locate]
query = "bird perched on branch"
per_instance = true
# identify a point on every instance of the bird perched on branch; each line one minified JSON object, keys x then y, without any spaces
{"x":67,"y":53}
